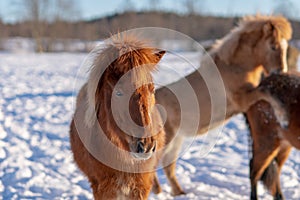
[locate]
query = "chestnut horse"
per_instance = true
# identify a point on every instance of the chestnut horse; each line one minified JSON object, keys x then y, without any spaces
{"x":272,"y":144}
{"x":257,"y":45}
{"x":119,"y":159}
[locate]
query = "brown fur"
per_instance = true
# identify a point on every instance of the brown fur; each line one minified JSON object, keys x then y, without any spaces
{"x":248,"y":51}
{"x":292,"y":57}
{"x":133,"y":179}
{"x":271,"y":143}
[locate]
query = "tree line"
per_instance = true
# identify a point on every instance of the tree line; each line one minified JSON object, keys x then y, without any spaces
{"x":51,"y":21}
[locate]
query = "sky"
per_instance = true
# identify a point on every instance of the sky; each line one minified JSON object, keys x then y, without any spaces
{"x":90,"y":9}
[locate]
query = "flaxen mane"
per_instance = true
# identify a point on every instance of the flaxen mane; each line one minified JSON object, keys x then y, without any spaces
{"x":279,"y":23}
{"x":261,"y":26}
{"x":125,"y":51}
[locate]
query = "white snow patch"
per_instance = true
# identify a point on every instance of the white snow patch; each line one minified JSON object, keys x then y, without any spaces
{"x":1,"y":116}
{"x":2,"y":153}
{"x":24,"y":173}
{"x":3,"y":133}
{"x":1,"y":186}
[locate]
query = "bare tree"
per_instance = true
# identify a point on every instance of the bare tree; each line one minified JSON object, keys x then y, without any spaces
{"x":194,"y":6}
{"x":36,"y":12}
{"x":127,"y":6}
{"x":190,"y":6}
{"x":41,"y":13}
{"x":154,"y":4}
{"x":1,"y":33}
{"x":64,"y":11}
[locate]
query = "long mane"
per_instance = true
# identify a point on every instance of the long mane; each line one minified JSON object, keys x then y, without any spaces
{"x":227,"y":46}
{"x":119,"y":54}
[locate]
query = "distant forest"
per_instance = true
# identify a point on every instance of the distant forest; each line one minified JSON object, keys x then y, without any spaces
{"x":194,"y":25}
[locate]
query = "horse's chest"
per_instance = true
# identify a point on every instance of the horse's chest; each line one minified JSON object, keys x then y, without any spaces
{"x":123,"y":193}
{"x":125,"y":187}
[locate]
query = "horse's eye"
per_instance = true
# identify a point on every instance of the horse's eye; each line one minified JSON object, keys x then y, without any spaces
{"x":119,"y":93}
{"x":274,"y":47}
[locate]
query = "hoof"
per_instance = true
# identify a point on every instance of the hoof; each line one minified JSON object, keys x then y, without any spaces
{"x":156,"y":190}
{"x":177,"y":193}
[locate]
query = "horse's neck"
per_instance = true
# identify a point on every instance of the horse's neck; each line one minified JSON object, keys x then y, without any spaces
{"x":248,"y":72}
{"x":236,"y":76}
{"x":235,"y":66}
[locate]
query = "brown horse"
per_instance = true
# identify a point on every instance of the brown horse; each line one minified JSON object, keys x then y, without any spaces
{"x":258,"y":45}
{"x":271,"y":143}
{"x":118,"y":158}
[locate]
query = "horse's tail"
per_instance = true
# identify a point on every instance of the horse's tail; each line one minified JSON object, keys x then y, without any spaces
{"x":270,"y":175}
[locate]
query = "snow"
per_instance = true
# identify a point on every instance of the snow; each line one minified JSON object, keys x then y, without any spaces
{"x":25,"y":45}
{"x":36,"y":106}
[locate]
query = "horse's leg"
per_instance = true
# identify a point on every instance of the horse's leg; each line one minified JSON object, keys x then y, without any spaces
{"x":265,"y":147}
{"x":170,"y":172}
{"x":285,"y":149}
{"x":270,"y":177}
{"x":253,"y":195}
{"x":156,"y":189}
{"x":261,"y":161}
{"x":169,"y":163}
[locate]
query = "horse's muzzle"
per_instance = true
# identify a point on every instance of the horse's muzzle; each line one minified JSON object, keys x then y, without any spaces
{"x":142,"y":150}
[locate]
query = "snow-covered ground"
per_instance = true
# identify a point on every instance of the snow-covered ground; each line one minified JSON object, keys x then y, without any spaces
{"x":36,"y":98}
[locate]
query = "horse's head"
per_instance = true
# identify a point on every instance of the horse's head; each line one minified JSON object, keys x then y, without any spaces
{"x":133,"y":108}
{"x":134,"y":92}
{"x":258,"y":41}
{"x":272,"y":48}
{"x":125,"y":96}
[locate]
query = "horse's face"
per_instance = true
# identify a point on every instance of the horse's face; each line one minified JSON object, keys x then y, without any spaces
{"x":273,"y":51}
{"x":129,"y":103}
{"x":141,"y":107}
{"x":138,"y":129}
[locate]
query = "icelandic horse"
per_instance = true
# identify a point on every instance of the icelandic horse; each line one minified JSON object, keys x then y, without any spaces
{"x":118,"y":158}
{"x":256,"y":46}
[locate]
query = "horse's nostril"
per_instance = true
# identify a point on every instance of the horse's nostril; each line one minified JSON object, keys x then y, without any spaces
{"x":140,"y":147}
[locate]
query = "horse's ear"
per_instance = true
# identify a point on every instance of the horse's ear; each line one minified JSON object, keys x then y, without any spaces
{"x":268,"y":29}
{"x":159,"y":55}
